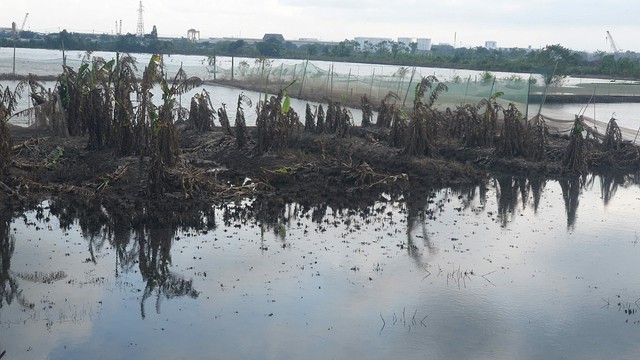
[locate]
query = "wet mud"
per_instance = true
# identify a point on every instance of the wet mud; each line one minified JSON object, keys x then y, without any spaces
{"x":313,"y":169}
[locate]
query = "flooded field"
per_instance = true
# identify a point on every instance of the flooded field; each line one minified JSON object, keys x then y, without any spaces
{"x":513,"y":268}
{"x":49,"y":63}
{"x":220,"y":95}
{"x":283,"y":240}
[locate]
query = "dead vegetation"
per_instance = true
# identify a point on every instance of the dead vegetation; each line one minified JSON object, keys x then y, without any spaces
{"x":201,"y":112}
{"x":612,"y":136}
{"x":242,"y":136}
{"x":387,"y":110}
{"x":424,"y":122}
{"x":273,"y":126}
{"x":367,"y":112}
{"x":432,"y":145}
{"x":574,"y":156}
{"x":8,"y":101}
{"x":224,"y":120}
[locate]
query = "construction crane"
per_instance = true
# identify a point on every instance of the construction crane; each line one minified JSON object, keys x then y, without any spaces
{"x":24,"y":22}
{"x":14,"y":28}
{"x":614,"y":48}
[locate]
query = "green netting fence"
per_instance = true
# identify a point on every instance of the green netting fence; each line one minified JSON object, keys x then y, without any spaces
{"x":342,"y":82}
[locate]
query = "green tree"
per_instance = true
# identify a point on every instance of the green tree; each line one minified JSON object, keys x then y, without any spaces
{"x":607,"y":65}
{"x":270,"y":48}
{"x":554,"y":61}
{"x":344,"y":48}
{"x":312,"y":49}
{"x":627,"y":66}
{"x":398,"y":48}
{"x":235,"y":47}
{"x":382,"y":48}
{"x":413,"y":47}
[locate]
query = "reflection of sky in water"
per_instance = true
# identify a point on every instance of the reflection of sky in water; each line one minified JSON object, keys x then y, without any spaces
{"x":480,"y":282}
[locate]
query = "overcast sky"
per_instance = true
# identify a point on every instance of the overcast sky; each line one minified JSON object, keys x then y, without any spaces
{"x":576,"y":24}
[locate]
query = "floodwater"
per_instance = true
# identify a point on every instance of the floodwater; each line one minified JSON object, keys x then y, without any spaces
{"x":512,"y":268}
{"x":626,"y":114}
{"x":49,"y":62}
{"x":220,"y":95}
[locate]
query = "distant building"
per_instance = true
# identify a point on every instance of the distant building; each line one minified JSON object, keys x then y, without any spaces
{"x":6,"y":32}
{"x":424,"y":44}
{"x":491,"y":45}
{"x":248,"y":41}
{"x":193,"y":35}
{"x":405,"y":40}
{"x":373,"y":41}
{"x":311,"y":41}
{"x":276,"y":37}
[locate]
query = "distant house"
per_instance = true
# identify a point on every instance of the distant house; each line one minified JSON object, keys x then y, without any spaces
{"x":275,"y":37}
{"x":6,"y":32}
{"x":405,"y":40}
{"x":372,"y":41}
{"x":491,"y":45}
{"x":424,"y":44}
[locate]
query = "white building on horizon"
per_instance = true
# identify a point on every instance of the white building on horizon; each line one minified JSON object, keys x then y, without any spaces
{"x":405,"y":40}
{"x":373,"y":41}
{"x":491,"y":45}
{"x":424,"y":44}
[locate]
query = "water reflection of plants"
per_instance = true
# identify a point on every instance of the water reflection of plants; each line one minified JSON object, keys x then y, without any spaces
{"x":571,"y":190}
{"x":154,"y":260}
{"x":511,"y":191}
{"x":143,"y":239}
{"x":140,"y":239}
{"x":610,"y":182}
{"x":419,"y":212}
{"x":8,"y":284}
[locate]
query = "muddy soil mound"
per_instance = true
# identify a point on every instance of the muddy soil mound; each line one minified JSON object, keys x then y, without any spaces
{"x":313,"y":169}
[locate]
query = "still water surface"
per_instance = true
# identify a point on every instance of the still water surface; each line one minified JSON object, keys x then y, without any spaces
{"x":509,"y":269}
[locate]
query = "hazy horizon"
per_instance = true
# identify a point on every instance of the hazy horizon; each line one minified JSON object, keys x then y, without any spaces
{"x":516,"y":23}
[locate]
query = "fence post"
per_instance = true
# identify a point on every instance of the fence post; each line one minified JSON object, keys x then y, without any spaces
{"x":348,"y":81}
{"x":413,"y":73}
{"x":304,"y":75}
{"x":466,"y":91}
{"x":373,"y":74}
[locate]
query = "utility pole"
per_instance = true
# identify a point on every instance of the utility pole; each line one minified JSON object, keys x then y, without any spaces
{"x":15,"y":38}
